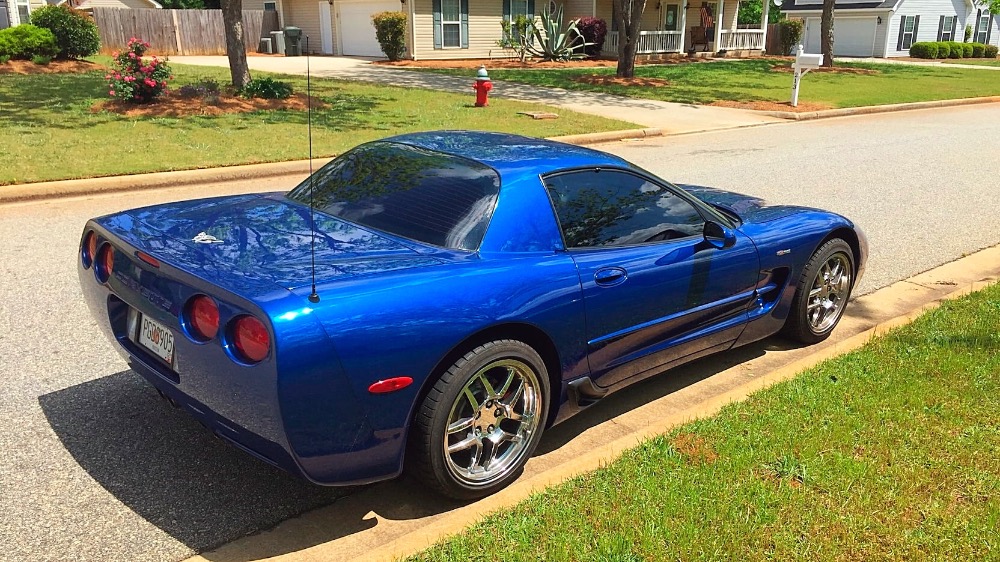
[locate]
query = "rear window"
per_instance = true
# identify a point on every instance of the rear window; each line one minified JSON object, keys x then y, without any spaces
{"x":411,"y":192}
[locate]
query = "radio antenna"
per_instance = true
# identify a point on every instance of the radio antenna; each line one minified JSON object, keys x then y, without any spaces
{"x":313,"y":296}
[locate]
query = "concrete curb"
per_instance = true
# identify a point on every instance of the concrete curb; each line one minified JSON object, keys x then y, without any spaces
{"x":809,"y":115}
{"x":90,"y":186}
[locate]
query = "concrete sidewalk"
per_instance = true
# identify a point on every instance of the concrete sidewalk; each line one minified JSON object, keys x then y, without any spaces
{"x":670,"y":118}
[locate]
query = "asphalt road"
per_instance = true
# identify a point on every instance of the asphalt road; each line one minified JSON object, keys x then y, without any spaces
{"x":93,"y":466}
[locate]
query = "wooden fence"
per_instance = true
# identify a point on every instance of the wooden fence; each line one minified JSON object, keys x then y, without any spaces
{"x":773,"y":46}
{"x":178,"y":32}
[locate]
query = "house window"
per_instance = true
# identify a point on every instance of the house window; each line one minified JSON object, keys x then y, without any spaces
{"x":451,"y":23}
{"x":23,"y":11}
{"x":947,"y":32}
{"x":909,"y":25}
{"x":982,"y":29}
{"x":270,"y":6}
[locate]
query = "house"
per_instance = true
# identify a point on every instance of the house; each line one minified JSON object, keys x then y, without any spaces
{"x":451,"y":29}
{"x":16,"y":12}
{"x":888,"y":28}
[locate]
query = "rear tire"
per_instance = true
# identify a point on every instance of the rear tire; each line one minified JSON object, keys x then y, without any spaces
{"x":822,"y":293}
{"x":481,"y":421}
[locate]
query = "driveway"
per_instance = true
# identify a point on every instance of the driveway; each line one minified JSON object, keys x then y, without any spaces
{"x":671,"y":118}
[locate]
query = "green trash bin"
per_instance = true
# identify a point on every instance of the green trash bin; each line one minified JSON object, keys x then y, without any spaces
{"x":293,"y":41}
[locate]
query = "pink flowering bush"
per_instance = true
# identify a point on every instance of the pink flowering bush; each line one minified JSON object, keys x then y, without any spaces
{"x":137,"y":79}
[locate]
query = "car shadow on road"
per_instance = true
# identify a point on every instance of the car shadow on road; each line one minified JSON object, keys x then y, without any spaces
{"x":203,"y":492}
{"x":160,"y":463}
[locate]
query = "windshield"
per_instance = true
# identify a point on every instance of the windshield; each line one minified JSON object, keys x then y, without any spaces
{"x":408,"y":191}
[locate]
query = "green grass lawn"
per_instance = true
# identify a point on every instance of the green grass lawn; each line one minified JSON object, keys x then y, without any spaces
{"x":887,"y":453}
{"x":48,"y":131}
{"x":977,"y":62}
{"x":754,"y":80}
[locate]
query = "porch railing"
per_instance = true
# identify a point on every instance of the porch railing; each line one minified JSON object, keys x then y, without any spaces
{"x":650,"y":42}
{"x":742,"y":40}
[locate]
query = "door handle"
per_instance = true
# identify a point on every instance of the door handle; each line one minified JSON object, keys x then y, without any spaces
{"x":610,"y":276}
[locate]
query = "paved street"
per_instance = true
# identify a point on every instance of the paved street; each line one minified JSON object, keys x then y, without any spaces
{"x":96,"y":467}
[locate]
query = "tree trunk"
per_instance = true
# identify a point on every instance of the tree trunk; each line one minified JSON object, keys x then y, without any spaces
{"x":826,"y":33}
{"x":232,"y":21}
{"x":628,"y":15}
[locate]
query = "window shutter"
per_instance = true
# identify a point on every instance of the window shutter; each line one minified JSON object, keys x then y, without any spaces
{"x":902,"y":29}
{"x":531,"y":9}
{"x":954,"y":24}
{"x":940,"y":27}
{"x":989,"y":30}
{"x":916,"y":24}
{"x":465,"y":24}
{"x":506,"y":10}
{"x":437,"y":23}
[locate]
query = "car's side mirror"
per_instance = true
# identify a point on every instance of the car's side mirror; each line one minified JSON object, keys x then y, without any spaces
{"x":718,"y":235}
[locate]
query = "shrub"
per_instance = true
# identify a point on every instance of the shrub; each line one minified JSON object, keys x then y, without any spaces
{"x":514,"y":31}
{"x":944,"y":49}
{"x":990,"y":51}
{"x":75,"y":32}
{"x":4,"y":59}
{"x":390,"y":31}
{"x":594,"y":31}
{"x":791,"y":33}
{"x":924,"y":50}
{"x":977,"y":50}
{"x":267,"y":88}
{"x":200,"y":89}
{"x":26,"y":42}
{"x":135,"y":79}
{"x":968,"y":33}
{"x":956,"y":50}
{"x":967,"y":50}
{"x":41,"y":60}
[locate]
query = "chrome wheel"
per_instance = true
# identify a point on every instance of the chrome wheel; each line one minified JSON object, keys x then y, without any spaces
{"x":492,"y":422}
{"x":830,"y":289}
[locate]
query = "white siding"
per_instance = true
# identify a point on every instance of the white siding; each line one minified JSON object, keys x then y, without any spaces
{"x":305,"y":14}
{"x":484,"y":31}
{"x":930,"y":12}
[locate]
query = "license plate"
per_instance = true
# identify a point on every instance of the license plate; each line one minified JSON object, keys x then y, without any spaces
{"x":156,"y":338}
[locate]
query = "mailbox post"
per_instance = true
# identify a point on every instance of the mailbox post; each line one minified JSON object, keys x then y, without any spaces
{"x":803,"y":64}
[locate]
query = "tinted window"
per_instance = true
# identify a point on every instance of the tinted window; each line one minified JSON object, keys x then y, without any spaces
{"x":610,"y":208}
{"x":411,"y":192}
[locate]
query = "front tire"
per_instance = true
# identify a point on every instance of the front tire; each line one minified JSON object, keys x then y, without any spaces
{"x":822,"y":293}
{"x":481,"y":421}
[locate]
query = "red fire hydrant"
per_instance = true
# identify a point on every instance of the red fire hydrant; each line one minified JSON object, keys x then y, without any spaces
{"x":482,"y":87}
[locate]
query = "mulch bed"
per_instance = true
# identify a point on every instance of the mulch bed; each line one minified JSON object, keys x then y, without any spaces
{"x":531,"y":63}
{"x":606,"y":80}
{"x":54,"y":67}
{"x":773,"y":105}
{"x":171,"y":104}
{"x":832,"y":70}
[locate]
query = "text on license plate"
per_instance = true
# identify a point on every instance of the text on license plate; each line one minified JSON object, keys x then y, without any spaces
{"x":156,"y":338}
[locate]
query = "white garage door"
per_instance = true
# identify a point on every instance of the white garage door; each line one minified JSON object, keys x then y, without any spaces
{"x":852,"y":37}
{"x":357,"y":35}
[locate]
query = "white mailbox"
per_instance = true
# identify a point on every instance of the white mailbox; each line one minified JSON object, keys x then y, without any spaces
{"x":808,"y":61}
{"x":804,"y":62}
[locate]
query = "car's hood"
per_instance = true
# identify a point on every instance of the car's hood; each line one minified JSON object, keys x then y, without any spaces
{"x":268,"y":237}
{"x":750,"y":209}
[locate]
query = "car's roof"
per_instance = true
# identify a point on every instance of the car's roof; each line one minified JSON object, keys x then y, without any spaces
{"x":510,"y":153}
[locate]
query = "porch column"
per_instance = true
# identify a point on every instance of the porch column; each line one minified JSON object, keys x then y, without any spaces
{"x":763,"y":27}
{"x":718,"y":27}
{"x":683,"y":27}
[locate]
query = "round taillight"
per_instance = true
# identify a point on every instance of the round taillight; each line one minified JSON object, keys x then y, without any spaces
{"x":105,"y":263}
{"x":203,"y":318}
{"x":89,"y":248}
{"x":250,"y":339}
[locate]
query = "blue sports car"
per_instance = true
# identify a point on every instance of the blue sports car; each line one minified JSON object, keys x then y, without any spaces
{"x":434,"y":301}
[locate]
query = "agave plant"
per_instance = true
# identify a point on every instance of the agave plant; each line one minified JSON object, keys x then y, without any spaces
{"x":552,"y":42}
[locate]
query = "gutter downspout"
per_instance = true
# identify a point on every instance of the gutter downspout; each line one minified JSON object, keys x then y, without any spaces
{"x":413,"y":31}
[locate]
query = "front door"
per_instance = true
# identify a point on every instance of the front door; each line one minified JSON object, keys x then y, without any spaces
{"x":654,"y":289}
{"x":325,"y":28}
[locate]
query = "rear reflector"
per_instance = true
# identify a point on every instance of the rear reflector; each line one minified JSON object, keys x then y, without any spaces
{"x":148,"y":259}
{"x":389,"y":385}
{"x":251,"y":339}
